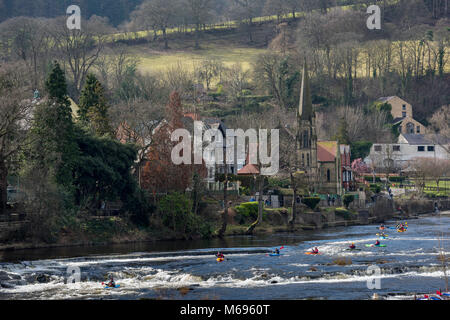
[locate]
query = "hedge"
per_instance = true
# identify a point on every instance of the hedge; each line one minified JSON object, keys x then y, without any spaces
{"x":311,"y":202}
{"x":348,"y":198}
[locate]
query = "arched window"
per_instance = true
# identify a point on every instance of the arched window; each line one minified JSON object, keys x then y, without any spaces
{"x":410,"y":128}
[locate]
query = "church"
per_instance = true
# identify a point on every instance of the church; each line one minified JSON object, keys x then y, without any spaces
{"x":321,"y":160}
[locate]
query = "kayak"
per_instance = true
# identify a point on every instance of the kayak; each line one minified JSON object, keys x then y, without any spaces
{"x":383,"y":238}
{"x":117,"y":286}
{"x":353,"y":249}
{"x":220,"y":259}
{"x":404,"y":230}
{"x":372,"y":245}
{"x":311,"y":253}
{"x":379,"y":234}
{"x":274,"y":254}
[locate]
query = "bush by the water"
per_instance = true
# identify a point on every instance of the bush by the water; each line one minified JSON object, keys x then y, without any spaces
{"x":344,"y":213}
{"x":348,"y":198}
{"x":246,"y":212}
{"x":176,"y":213}
{"x":311,"y":202}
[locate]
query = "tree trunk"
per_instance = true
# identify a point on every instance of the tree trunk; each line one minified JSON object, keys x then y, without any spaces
{"x":166,"y":41}
{"x":223,"y":228}
{"x":260,"y":207}
{"x":3,"y":187}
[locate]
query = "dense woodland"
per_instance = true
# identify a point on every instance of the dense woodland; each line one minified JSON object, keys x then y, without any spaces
{"x":71,"y":162}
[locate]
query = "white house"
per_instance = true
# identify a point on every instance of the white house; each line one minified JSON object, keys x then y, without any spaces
{"x":408,"y":147}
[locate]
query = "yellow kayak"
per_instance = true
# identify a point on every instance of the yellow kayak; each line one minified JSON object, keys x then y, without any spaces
{"x":220,"y":259}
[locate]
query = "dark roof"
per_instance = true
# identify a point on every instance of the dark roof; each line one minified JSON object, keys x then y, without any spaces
{"x":397,"y":120}
{"x":385,"y":99}
{"x":415,"y":139}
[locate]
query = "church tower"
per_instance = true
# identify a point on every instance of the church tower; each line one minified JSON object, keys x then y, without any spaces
{"x":307,"y":137}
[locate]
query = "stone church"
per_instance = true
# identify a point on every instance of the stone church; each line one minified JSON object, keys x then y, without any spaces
{"x":321,"y":160}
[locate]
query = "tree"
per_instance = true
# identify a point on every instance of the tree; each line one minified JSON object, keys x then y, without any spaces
{"x":157,"y":14}
{"x":160,"y":174}
{"x":93,"y":108}
{"x":15,"y":113}
{"x":208,"y":70}
{"x":199,"y":12}
{"x":26,"y":39}
{"x":440,"y":124}
{"x":54,"y":147}
{"x":80,"y":49}
{"x":246,"y":11}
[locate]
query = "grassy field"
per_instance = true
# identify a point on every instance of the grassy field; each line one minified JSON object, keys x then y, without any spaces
{"x":156,"y":61}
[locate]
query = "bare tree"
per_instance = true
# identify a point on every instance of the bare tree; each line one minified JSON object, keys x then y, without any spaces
{"x":199,"y":13}
{"x":157,"y":14}
{"x":15,"y":113}
{"x":80,"y":49}
{"x":26,"y":39}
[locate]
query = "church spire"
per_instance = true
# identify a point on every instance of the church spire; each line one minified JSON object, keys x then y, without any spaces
{"x":305,"y":109}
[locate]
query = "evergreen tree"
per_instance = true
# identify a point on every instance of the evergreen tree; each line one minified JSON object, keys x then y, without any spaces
{"x":93,"y":108}
{"x":54,"y":148}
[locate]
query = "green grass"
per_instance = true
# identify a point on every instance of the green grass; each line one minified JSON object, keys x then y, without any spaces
{"x":152,"y":61}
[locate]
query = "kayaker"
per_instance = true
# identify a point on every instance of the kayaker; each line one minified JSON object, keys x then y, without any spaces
{"x":220,"y":255}
{"x":377,"y":243}
{"x":112,"y":283}
{"x":352,"y":246}
{"x":315,"y":250}
{"x":277,"y":251}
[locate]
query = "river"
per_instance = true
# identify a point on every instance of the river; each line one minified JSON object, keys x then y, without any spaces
{"x":188,"y":269}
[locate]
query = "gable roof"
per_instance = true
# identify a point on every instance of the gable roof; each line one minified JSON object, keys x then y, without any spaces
{"x":386,"y":99}
{"x":327,"y":151}
{"x":415,"y":139}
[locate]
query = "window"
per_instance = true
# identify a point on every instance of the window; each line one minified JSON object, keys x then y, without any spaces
{"x":307,"y":158}
{"x":430,"y":148}
{"x":404,"y":107}
{"x":404,"y":114}
{"x":396,"y":148}
{"x":378,"y":148}
{"x":421,"y":148}
{"x":328,"y":175}
{"x":418,"y":129}
{"x":410,"y":128}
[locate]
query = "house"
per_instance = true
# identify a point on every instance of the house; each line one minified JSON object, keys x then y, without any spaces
{"x":402,"y":113}
{"x":213,"y":168}
{"x":397,"y":156}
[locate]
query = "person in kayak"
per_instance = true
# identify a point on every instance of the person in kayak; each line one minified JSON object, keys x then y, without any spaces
{"x":377,"y":243}
{"x":315,"y":250}
{"x":352,"y":246}
{"x":277,"y":251}
{"x":111,"y":283}
{"x":220,"y":255}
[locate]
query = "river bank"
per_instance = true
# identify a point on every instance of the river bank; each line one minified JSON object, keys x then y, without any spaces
{"x":275,"y":221}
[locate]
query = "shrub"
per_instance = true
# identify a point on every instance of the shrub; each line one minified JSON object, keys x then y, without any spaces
{"x":370,"y":179}
{"x":397,"y":179}
{"x":348,"y":198}
{"x":247,"y":211}
{"x":344,"y":213}
{"x":375,"y":188}
{"x":311,"y":202}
